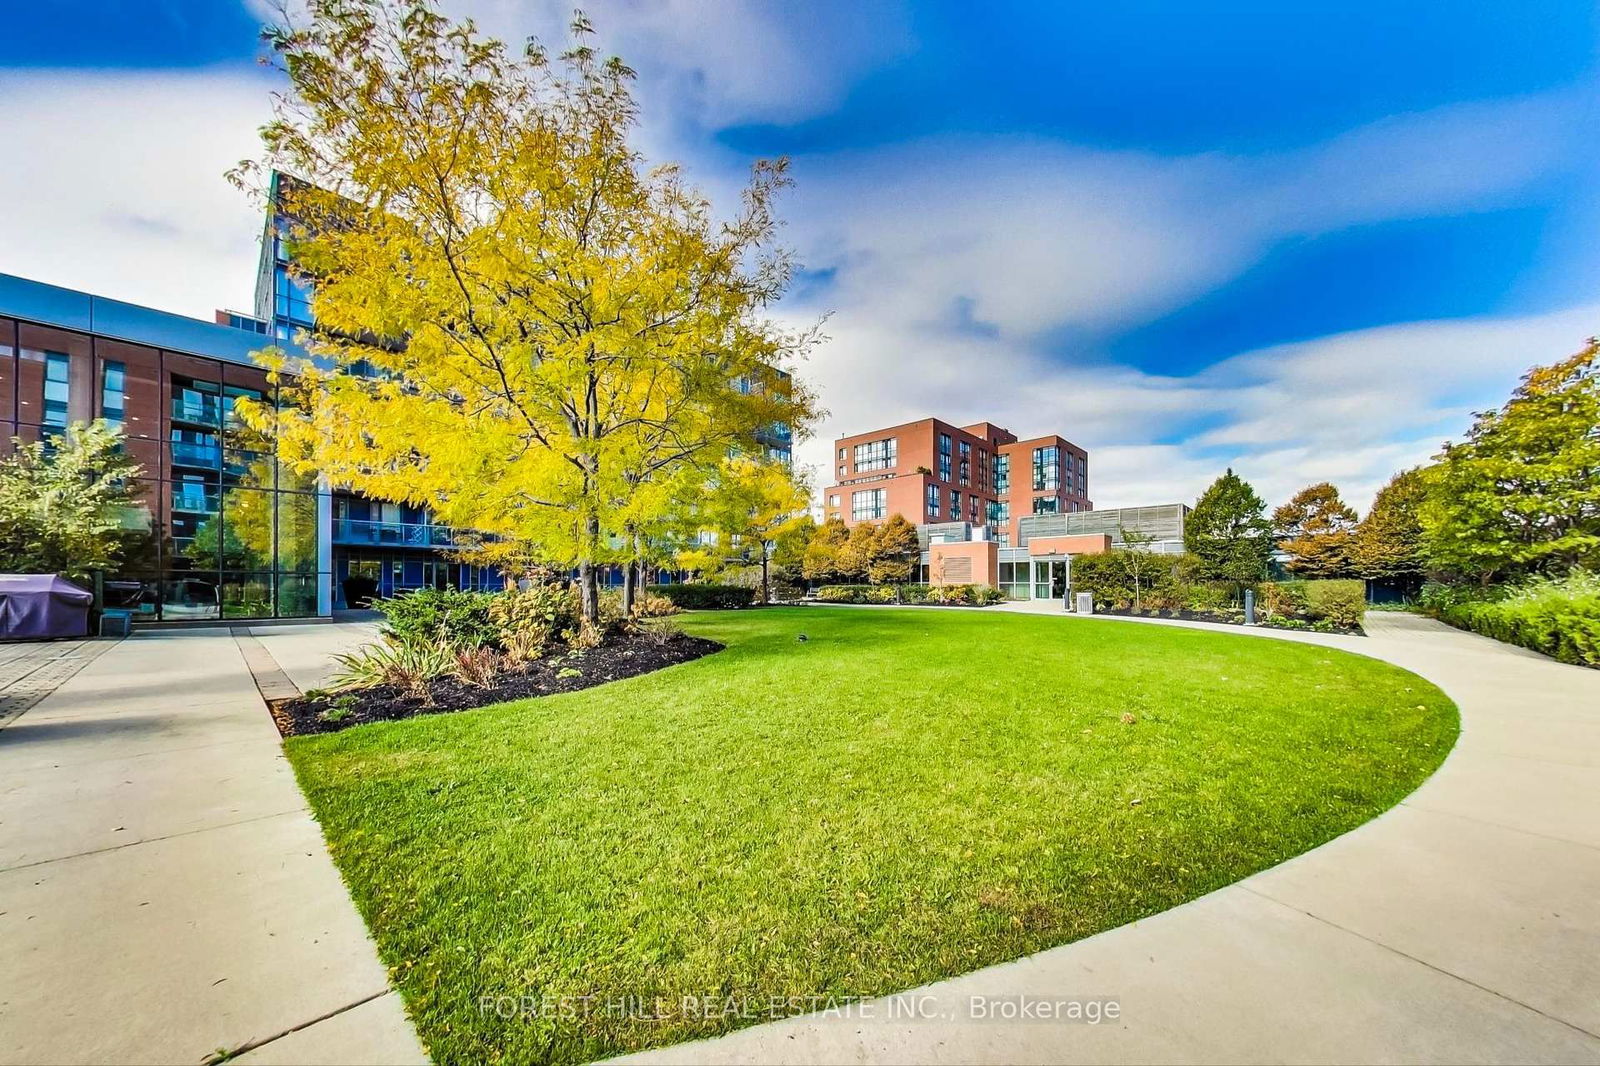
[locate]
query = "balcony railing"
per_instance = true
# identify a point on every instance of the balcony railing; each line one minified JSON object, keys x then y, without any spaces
{"x":401,"y":534}
{"x":202,"y":455}
{"x":203,"y":412}
{"x":196,"y":502}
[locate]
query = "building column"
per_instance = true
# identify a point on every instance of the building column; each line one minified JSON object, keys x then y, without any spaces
{"x":324,"y":548}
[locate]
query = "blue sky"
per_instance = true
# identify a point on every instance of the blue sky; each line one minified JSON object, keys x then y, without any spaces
{"x":1301,"y":240}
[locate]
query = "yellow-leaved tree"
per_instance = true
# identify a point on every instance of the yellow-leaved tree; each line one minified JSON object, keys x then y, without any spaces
{"x":520,"y":324}
{"x":751,"y":505}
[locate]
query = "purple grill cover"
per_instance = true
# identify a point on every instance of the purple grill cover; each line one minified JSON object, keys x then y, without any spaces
{"x":33,"y":606}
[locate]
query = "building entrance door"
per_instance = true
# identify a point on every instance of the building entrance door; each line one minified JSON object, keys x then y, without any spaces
{"x":1049,"y":579}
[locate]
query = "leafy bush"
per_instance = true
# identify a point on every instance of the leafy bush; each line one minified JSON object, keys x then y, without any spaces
{"x":651,"y":605}
{"x":1341,"y":602}
{"x":1559,"y":617}
{"x":697,"y":597}
{"x":938,"y":595}
{"x":404,"y":664}
{"x":526,"y":621}
{"x":458,"y":618}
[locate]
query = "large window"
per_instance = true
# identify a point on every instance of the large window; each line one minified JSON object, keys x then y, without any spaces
{"x":999,"y":512}
{"x":933,"y":500}
{"x":944,"y":457}
{"x":955,"y":505}
{"x":1046,"y":505}
{"x":876,"y":455}
{"x":966,"y":463}
{"x":293,"y":299}
{"x":111,"y":392}
{"x":868,"y":505}
{"x":983,"y":469}
{"x":57,"y":378}
{"x":1002,"y":474}
{"x":1046,"y":469}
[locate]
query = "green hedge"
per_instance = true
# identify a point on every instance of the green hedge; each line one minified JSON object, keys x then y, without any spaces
{"x":692,"y":596}
{"x":1170,"y":585}
{"x":1559,"y":617}
{"x":935,"y":595}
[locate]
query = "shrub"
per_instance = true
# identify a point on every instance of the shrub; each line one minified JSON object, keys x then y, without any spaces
{"x":939,"y":595}
{"x":698,"y":597}
{"x":526,"y":621}
{"x":429,"y":616}
{"x":1559,"y":617}
{"x":1341,"y":602}
{"x":651,"y":605}
{"x":477,"y":666}
{"x":406,"y":665}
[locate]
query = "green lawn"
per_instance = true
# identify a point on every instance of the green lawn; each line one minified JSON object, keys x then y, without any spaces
{"x":908,"y":795}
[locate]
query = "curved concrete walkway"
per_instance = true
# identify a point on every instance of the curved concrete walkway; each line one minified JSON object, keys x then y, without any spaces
{"x":165,"y":895}
{"x":1462,"y":926}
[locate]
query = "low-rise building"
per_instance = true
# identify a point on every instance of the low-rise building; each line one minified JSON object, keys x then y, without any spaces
{"x":1039,"y":564}
{"x":931,"y":472}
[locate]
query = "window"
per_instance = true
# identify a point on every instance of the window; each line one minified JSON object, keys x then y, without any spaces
{"x":933,"y":500}
{"x":1046,"y":505}
{"x":1046,"y":469}
{"x":867,"y":505}
{"x":833,"y":501}
{"x":944,"y":457}
{"x":1002,"y":473}
{"x":966,"y":463}
{"x":983,"y":469}
{"x":841,"y":455}
{"x":955,"y":505}
{"x":999,"y":512}
{"x":876,"y":455}
{"x":56,"y":371}
{"x":972,"y":508}
{"x":292,"y":299}
{"x":111,"y":392}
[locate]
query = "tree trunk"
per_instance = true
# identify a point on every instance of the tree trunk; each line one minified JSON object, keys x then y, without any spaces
{"x":629,"y":587}
{"x":766,"y":592}
{"x":589,"y":593}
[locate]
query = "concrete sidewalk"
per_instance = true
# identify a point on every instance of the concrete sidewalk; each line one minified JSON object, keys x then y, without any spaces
{"x":1462,"y":926}
{"x":165,"y":895}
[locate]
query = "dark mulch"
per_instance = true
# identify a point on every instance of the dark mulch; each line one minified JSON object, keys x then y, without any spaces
{"x":619,"y":657}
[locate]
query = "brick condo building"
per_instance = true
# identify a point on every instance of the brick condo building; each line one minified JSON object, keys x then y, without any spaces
{"x":933,"y":472}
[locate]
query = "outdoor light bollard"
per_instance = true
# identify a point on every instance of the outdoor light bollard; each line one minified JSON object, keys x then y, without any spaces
{"x":1085,"y":603}
{"x":1249,"y":607}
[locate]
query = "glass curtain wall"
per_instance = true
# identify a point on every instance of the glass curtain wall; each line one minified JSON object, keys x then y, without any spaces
{"x":218,"y":528}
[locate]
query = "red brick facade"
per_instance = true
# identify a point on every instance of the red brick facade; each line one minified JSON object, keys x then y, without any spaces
{"x":931,"y":471}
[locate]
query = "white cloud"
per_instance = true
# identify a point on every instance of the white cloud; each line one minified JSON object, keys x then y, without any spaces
{"x":962,"y":267}
{"x":113,"y":183}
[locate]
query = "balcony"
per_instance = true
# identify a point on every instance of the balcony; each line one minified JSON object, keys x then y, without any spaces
{"x":185,"y":453}
{"x":395,"y":534}
{"x":207,"y":412}
{"x":193,"y":502}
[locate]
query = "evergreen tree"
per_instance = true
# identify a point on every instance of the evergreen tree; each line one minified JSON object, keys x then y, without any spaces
{"x":1228,"y":532}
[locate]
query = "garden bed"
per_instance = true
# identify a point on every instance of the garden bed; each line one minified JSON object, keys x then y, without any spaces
{"x":627,"y":655}
{"x":1237,"y":619}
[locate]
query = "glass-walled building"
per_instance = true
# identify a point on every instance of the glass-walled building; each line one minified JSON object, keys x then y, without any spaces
{"x":219,"y":528}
